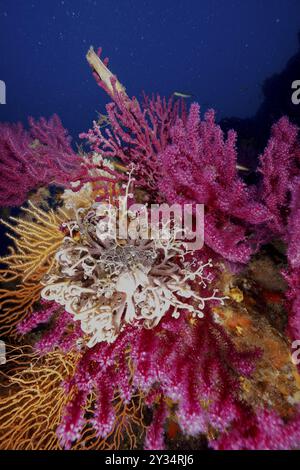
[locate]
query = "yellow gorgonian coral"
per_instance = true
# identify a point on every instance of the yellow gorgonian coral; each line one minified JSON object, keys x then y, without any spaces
{"x":32,"y":400}
{"x":36,"y":236}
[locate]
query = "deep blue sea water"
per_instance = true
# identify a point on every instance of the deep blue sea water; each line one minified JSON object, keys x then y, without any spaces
{"x":219,"y":51}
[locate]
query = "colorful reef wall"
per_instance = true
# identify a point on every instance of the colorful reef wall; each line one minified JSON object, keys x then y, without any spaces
{"x":142,"y":342}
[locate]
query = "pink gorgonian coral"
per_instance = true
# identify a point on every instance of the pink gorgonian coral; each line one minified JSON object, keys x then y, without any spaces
{"x":279,"y":164}
{"x":263,"y":430}
{"x":136,"y":133}
{"x":200,"y":166}
{"x":292,"y":274}
{"x":38,"y":157}
{"x":172,"y":364}
{"x":280,"y":192}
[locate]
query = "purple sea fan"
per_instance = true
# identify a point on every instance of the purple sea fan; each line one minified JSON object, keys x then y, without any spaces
{"x":264,"y":430}
{"x":280,"y":192}
{"x":199,"y":166}
{"x":193,"y":365}
{"x":137,"y":132}
{"x":292,"y":275}
{"x":155,"y":433}
{"x":37,"y":317}
{"x":293,"y":251}
{"x":37,"y":157}
{"x":279,"y":164}
{"x":64,"y":333}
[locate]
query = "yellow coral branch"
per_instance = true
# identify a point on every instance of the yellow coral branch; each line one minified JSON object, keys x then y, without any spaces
{"x":32,"y":402}
{"x":36,"y":239}
{"x":32,"y":398}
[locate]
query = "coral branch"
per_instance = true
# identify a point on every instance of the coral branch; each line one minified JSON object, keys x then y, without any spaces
{"x":104,"y":76}
{"x":199,"y":166}
{"x":34,"y":158}
{"x":36,"y":239}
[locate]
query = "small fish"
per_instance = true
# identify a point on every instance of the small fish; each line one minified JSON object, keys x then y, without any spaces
{"x":120,"y":167}
{"x":182,"y":95}
{"x":242,"y":168}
